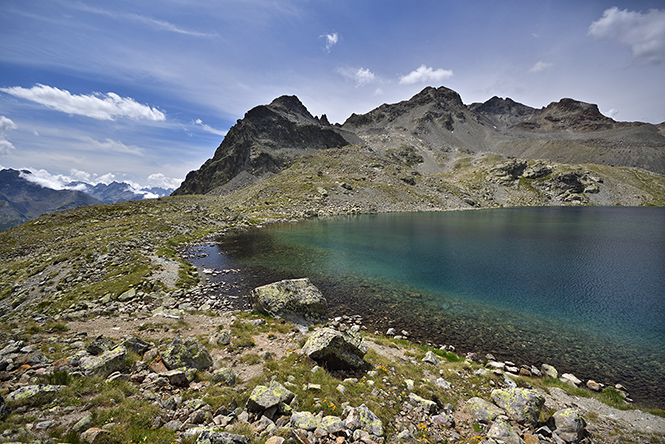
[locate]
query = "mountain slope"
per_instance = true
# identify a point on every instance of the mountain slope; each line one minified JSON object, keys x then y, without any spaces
{"x":24,"y":200}
{"x":264,"y":142}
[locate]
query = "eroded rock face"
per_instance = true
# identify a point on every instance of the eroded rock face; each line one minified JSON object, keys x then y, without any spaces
{"x":188,"y":353}
{"x":336,"y":350}
{"x":521,"y":405}
{"x":295,"y":300}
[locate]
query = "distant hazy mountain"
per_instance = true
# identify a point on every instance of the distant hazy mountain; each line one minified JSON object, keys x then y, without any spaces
{"x":118,"y":191}
{"x":22,"y":200}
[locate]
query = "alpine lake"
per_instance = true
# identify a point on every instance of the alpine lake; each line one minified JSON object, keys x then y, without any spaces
{"x":580,"y":288}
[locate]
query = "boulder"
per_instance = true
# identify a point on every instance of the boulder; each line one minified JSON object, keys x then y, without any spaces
{"x":362,"y":418}
{"x":548,"y":371}
{"x":225,"y":375}
{"x":188,"y":353}
{"x":332,"y":424}
{"x":336,"y":350}
{"x":521,"y":405}
{"x":482,"y":411}
{"x":304,"y":420}
{"x":99,"y":345}
{"x":503,"y":432}
{"x":136,"y":345}
{"x":428,"y":406}
{"x":570,"y":425}
{"x":262,"y":398}
{"x":295,"y":300}
{"x":177,"y":378}
{"x":431,"y":358}
{"x":95,"y":435}
{"x":108,"y":362}
{"x":214,"y":437}
{"x":571,"y":379}
{"x":33,"y":394}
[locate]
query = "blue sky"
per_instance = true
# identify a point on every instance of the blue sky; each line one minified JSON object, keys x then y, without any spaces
{"x":144,"y":91}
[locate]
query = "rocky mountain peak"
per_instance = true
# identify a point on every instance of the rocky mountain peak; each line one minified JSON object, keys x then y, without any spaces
{"x":290,"y":104}
{"x":568,"y":114}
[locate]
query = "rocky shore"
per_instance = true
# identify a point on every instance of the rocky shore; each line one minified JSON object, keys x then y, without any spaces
{"x":154,"y":371}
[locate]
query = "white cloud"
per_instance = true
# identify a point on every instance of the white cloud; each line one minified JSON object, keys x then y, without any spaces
{"x":209,"y":129}
{"x":83,"y":176}
{"x":643,"y":33}
{"x":45,"y":179}
{"x":361,"y":76}
{"x":160,"y":180}
{"x":425,"y":74}
{"x":540,"y":66}
{"x":97,"y":106}
{"x":331,"y":40}
{"x":6,"y":147}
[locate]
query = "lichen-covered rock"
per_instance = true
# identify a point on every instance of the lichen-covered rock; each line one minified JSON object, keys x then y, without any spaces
{"x":95,"y":435}
{"x":549,"y":371}
{"x":99,"y":345}
{"x":482,"y":411}
{"x":177,"y":378}
{"x":429,"y":406}
{"x":364,"y":419}
{"x":332,"y":424}
{"x":336,"y":350}
{"x":225,"y":375}
{"x":214,"y":437}
{"x":304,"y":420}
{"x":33,"y":394}
{"x":188,"y":353}
{"x":503,"y":432}
{"x":521,"y":405}
{"x":262,"y":398}
{"x":136,"y":345}
{"x":570,"y":425}
{"x":431,"y":358}
{"x":295,"y":300}
{"x":108,"y":362}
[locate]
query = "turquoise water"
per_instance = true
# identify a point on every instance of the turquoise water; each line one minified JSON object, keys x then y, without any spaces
{"x":581,"y":288}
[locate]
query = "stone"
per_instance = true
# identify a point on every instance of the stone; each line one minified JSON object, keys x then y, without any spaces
{"x":214,"y":437}
{"x":440,"y":382}
{"x":83,"y":423}
{"x":593,"y":385}
{"x":108,"y":362}
{"x":504,"y":432}
{"x":275,"y":440}
{"x":173,"y":425}
{"x":482,"y":411}
{"x":332,"y":424}
{"x":157,"y":365}
{"x":177,"y":378}
{"x":521,"y":405}
{"x":99,"y":345}
{"x":571,"y":379}
{"x":262,"y":397}
{"x":225,"y":375}
{"x":96,"y":435}
{"x":431,"y":358}
{"x":295,"y":300}
{"x":570,"y":425}
{"x":136,"y":345}
{"x":33,"y":394}
{"x":530,"y":439}
{"x":188,"y":353}
{"x":443,"y":420}
{"x":364,"y":419}
{"x":304,"y":420}
{"x":127,"y":295}
{"x":548,"y":371}
{"x":429,"y":406}
{"x":336,"y":350}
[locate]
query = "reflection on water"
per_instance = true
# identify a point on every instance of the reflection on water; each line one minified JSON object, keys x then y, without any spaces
{"x":580,"y":288}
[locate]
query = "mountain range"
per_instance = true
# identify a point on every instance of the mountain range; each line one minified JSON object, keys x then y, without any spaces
{"x":436,"y":128}
{"x":22,"y":199}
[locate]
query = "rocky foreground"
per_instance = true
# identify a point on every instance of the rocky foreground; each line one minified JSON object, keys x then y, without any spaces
{"x":152,"y":373}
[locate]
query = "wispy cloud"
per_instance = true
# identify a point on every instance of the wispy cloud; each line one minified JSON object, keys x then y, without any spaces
{"x":540,"y":66}
{"x":331,"y":40}
{"x":362,"y":76}
{"x":99,"y":106}
{"x":6,"y":124}
{"x":114,"y":146}
{"x":425,"y":74}
{"x":643,"y":33}
{"x":208,"y":128}
{"x":151,"y":21}
{"x":160,"y":180}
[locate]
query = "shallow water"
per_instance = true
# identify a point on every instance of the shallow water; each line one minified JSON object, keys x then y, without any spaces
{"x":580,"y":288}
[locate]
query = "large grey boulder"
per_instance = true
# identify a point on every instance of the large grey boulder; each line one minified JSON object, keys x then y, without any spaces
{"x":521,"y":405}
{"x":108,"y":362}
{"x":364,"y":419}
{"x":503,"y":432}
{"x":482,"y":411}
{"x":33,"y":394}
{"x":336,"y":350}
{"x":295,"y":300}
{"x":570,"y":425}
{"x":188,"y":353}
{"x":264,"y":397}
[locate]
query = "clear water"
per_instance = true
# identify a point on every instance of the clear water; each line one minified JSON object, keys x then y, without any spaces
{"x":580,"y":288}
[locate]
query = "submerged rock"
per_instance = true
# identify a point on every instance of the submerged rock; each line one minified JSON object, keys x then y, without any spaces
{"x":295,"y":300}
{"x":336,"y":350}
